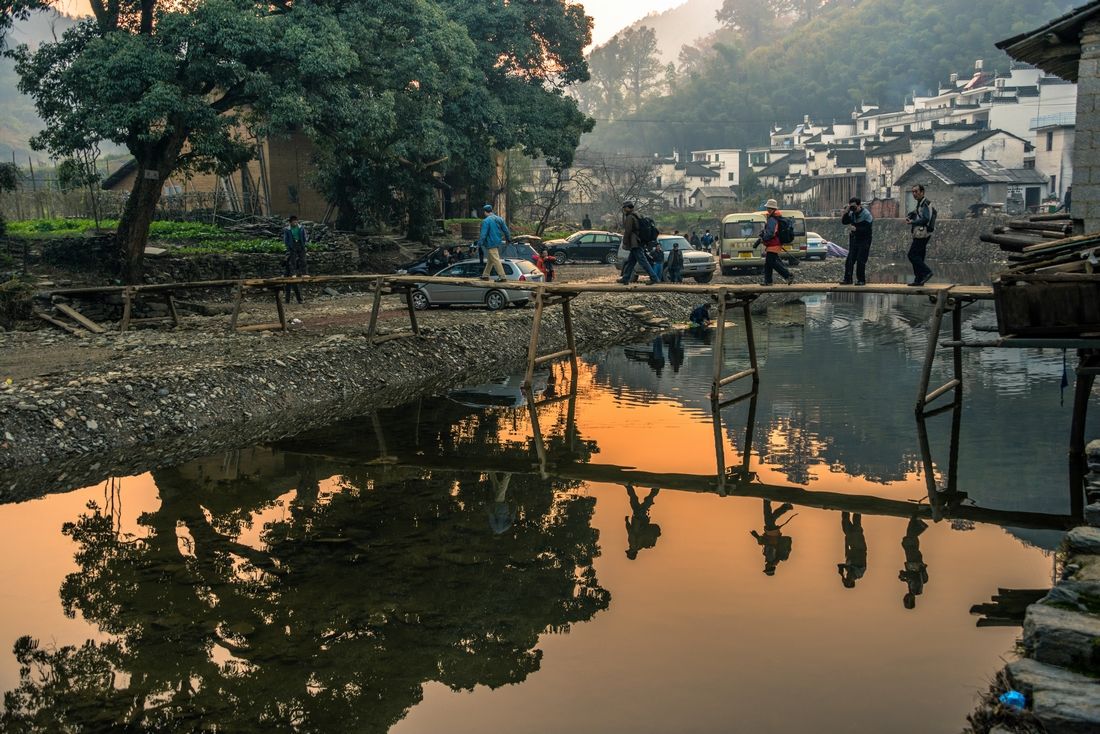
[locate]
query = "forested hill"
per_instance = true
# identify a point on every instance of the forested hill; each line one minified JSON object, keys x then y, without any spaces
{"x":823,"y":60}
{"x":18,"y":120}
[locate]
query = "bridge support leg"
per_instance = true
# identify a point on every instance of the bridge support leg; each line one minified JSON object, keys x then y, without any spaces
{"x":719,"y":344}
{"x":533,"y":358}
{"x":376,"y":306}
{"x":924,"y":397}
{"x":718,"y":381}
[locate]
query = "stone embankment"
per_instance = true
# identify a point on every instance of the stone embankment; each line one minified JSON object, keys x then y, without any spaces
{"x":78,"y":410}
{"x":1059,"y":667}
{"x":955,"y":240}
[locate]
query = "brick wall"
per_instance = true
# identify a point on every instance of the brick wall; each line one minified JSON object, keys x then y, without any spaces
{"x":1086,"y":152}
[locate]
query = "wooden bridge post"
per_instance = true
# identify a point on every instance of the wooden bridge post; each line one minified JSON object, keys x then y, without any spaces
{"x":719,"y":445}
{"x":412,"y":311}
{"x":533,"y":345}
{"x":536,"y":431}
{"x":376,"y":306}
{"x":238,"y":296}
{"x":719,"y":344}
{"x":570,"y":339}
{"x":923,"y":396}
{"x":747,"y":306}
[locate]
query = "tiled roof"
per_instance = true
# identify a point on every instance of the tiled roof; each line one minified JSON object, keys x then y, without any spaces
{"x":970,"y":141}
{"x":893,"y":147}
{"x":959,"y":173}
{"x":776,"y":168}
{"x":696,"y":170}
{"x":849,"y":157}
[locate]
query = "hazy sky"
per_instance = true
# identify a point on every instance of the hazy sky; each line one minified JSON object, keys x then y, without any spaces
{"x":610,"y":16}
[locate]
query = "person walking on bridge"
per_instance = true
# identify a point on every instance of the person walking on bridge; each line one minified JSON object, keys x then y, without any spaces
{"x":632,"y":241}
{"x":921,"y":223}
{"x":295,"y":240}
{"x":859,"y":222}
{"x":493,"y":231}
{"x":773,"y":247}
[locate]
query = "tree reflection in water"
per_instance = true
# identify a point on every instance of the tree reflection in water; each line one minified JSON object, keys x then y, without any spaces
{"x":353,"y":600}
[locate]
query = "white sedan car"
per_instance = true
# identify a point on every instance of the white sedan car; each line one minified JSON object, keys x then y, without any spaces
{"x":491,"y":296}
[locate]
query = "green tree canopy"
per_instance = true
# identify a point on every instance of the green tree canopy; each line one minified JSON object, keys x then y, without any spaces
{"x":390,"y":93}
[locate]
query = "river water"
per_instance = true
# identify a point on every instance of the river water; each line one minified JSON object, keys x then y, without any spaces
{"x":423,"y":570}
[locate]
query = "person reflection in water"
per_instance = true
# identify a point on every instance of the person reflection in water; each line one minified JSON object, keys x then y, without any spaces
{"x":676,"y":350}
{"x":776,"y":545}
{"x":641,"y":532}
{"x":501,"y":514}
{"x":855,"y":550}
{"x":915,"y":571}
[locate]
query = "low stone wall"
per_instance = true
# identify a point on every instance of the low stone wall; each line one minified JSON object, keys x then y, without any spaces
{"x":954,"y":240}
{"x":1059,"y":668}
{"x":217,"y":266}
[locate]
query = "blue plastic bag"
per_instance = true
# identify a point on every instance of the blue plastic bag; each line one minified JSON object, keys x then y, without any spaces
{"x":1013,"y":699}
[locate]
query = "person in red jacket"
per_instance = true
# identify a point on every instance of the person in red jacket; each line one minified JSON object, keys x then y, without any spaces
{"x":773,"y":248}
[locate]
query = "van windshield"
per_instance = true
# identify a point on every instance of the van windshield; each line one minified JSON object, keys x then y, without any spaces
{"x":742,"y":229}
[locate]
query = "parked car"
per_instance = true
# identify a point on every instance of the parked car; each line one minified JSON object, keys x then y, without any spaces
{"x":430,"y":263}
{"x":519,"y":250}
{"x":816,"y":247}
{"x":586,"y":245}
{"x":697,"y":264}
{"x":492,"y":296}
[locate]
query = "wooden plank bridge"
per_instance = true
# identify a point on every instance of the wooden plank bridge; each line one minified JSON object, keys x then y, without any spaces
{"x":947,"y":299}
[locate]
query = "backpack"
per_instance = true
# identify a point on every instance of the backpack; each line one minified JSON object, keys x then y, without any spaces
{"x":932,"y":214}
{"x":647,"y":230}
{"x":785,"y":230}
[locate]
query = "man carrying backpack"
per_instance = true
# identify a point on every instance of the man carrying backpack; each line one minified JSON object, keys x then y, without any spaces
{"x":771,"y":238}
{"x":707,"y":241}
{"x":634,"y":239}
{"x":922,"y":221}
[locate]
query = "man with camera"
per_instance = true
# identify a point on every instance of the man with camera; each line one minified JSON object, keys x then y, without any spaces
{"x":921,"y":222}
{"x":859,"y":222}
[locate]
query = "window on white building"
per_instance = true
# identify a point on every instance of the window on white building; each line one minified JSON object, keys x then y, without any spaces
{"x":730,"y":176}
{"x":1050,"y":141}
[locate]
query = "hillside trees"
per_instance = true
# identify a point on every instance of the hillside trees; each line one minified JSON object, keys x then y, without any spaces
{"x":824,"y":59}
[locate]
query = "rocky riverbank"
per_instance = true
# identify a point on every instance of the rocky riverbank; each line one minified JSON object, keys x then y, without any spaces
{"x":1059,"y":668}
{"x":78,"y":410}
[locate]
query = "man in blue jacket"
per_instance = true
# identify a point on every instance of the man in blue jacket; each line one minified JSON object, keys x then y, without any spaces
{"x":493,"y":232}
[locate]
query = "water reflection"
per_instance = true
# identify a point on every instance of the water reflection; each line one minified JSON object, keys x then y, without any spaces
{"x":352,"y":598}
{"x":641,"y":531}
{"x":775,"y":545}
{"x":855,"y":549}
{"x":346,"y":578}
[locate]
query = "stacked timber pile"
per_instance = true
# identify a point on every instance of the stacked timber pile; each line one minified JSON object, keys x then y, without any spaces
{"x":1043,"y":244}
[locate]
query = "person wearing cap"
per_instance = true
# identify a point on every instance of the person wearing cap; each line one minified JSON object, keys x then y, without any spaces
{"x":632,"y":241}
{"x":859,"y":222}
{"x":493,"y":231}
{"x":773,"y":248}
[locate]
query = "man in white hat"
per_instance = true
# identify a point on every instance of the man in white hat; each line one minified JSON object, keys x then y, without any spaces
{"x":773,"y":248}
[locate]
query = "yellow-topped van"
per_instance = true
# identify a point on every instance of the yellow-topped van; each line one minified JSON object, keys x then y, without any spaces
{"x":741,"y":231}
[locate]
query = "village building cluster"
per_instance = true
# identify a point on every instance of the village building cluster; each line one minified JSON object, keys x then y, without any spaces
{"x":985,"y":141}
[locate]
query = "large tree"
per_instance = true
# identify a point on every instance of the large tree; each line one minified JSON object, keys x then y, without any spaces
{"x":392,"y":94}
{"x":182,"y":85}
